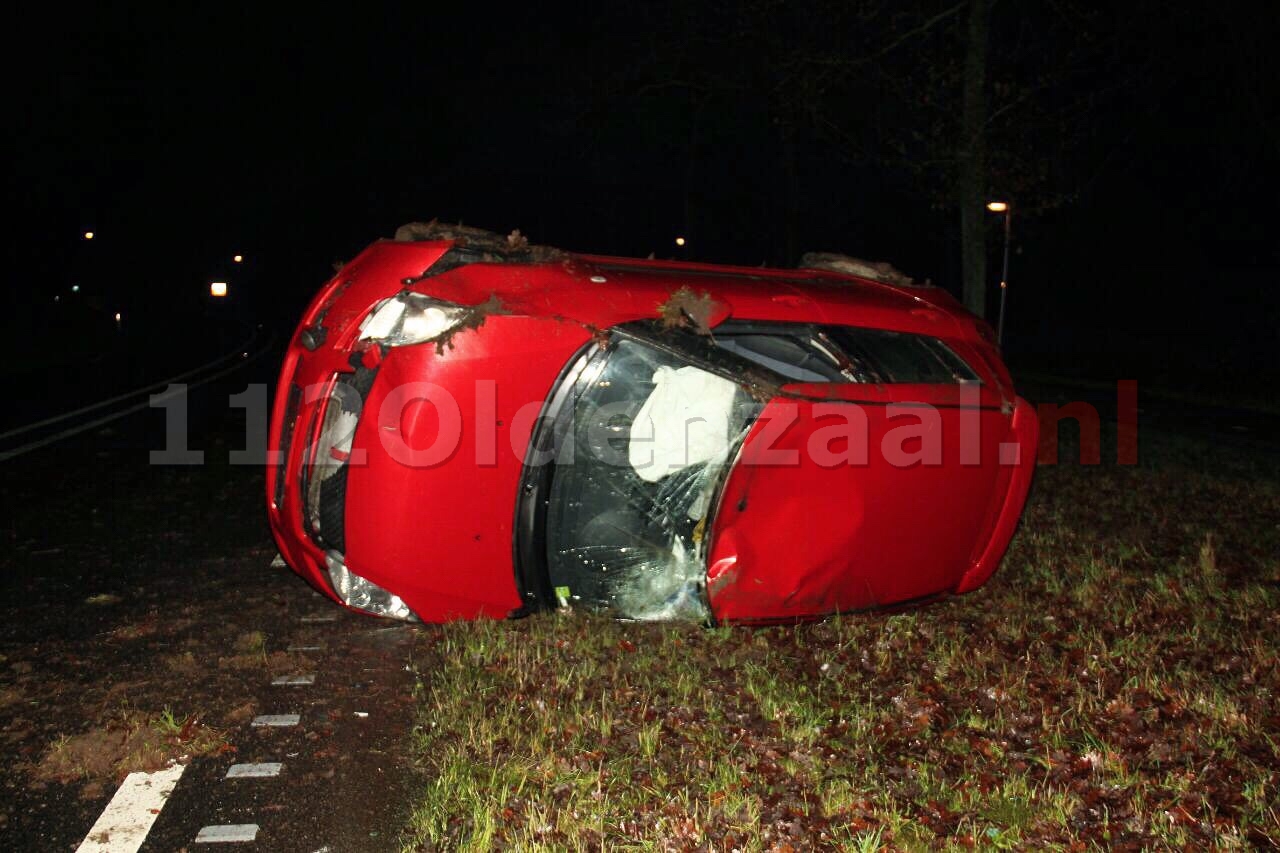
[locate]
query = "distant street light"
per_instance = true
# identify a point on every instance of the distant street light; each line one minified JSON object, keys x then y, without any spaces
{"x":218,"y":288}
{"x":1007,"y":209}
{"x":88,"y":235}
{"x":238,"y":258}
{"x":679,"y":241}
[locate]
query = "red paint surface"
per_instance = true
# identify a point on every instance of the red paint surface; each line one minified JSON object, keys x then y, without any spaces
{"x":792,"y":541}
{"x":441,"y":536}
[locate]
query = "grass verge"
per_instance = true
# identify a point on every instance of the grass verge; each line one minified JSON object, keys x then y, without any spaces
{"x":1114,"y":686}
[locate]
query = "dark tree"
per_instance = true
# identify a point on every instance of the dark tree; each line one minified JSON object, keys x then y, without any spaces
{"x":966,"y":101}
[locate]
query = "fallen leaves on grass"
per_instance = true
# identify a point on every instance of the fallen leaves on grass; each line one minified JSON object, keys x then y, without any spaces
{"x":1114,"y":687}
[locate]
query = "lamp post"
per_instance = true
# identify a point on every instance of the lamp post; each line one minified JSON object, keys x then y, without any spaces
{"x":1007,"y":209}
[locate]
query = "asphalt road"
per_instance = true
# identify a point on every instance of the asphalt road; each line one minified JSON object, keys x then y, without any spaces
{"x":129,"y":590}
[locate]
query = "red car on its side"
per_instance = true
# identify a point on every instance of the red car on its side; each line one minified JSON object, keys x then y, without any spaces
{"x":468,"y":426}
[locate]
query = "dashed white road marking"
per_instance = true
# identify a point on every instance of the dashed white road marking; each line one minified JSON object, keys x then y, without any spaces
{"x":293,"y":680}
{"x":261,"y":770}
{"x":305,"y":649}
{"x":319,"y":617}
{"x":127,"y":819}
{"x":227,"y":833}
{"x":276,"y":720}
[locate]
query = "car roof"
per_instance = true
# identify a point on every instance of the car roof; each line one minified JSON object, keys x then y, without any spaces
{"x":830,"y":296}
{"x":470,"y":266}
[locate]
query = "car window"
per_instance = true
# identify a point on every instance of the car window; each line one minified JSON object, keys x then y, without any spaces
{"x":644,"y":447}
{"x":806,"y":353}
{"x":902,"y":357}
{"x":794,"y":357}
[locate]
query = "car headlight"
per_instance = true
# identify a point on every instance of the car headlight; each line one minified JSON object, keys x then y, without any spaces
{"x":363,"y":594}
{"x":410,"y":318}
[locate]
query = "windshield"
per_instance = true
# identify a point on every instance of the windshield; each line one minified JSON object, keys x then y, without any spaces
{"x":647,"y":442}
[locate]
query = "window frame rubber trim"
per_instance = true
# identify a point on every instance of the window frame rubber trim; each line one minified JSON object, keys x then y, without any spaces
{"x":529,"y":545}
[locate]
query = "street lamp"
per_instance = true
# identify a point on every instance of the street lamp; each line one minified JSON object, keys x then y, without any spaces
{"x":217,"y":288}
{"x":1007,"y":209}
{"x":238,"y":258}
{"x":88,"y":235}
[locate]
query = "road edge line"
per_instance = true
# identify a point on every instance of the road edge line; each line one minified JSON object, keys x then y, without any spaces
{"x":125,"y":822}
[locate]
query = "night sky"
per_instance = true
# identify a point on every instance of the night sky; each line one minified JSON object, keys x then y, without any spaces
{"x":181,"y":139}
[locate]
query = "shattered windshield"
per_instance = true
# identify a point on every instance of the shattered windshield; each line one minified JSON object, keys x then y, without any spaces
{"x":650,"y":438}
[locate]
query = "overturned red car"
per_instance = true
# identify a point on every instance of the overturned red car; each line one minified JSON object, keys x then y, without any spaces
{"x":469,"y":426}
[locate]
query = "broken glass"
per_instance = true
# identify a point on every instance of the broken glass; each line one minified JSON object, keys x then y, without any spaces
{"x":645,"y":447}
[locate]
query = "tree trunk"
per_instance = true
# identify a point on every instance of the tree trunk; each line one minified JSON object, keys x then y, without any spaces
{"x":972,"y":184}
{"x":791,"y":229}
